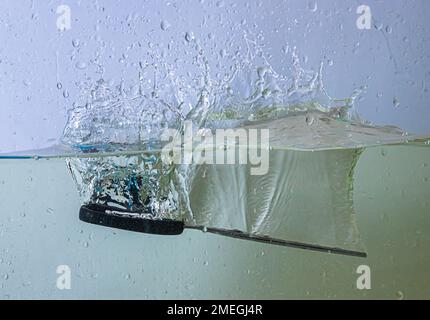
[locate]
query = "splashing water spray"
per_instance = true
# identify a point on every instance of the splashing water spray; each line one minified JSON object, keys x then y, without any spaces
{"x":129,"y":181}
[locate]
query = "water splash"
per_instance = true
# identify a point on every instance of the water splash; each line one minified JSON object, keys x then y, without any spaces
{"x":237,"y":89}
{"x":249,"y":89}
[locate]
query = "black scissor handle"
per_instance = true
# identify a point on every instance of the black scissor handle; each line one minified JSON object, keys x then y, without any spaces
{"x":97,"y":214}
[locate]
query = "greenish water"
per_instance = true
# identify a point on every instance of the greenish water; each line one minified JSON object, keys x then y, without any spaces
{"x":39,"y":230}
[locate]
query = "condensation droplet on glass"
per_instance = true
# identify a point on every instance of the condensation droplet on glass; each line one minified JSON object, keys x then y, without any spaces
{"x":312,"y":6}
{"x":165,"y":25}
{"x":81,"y":65}
{"x":400,"y":295}
{"x":189,"y":36}
{"x":76,"y":43}
{"x":220,"y":4}
{"x":59,"y":85}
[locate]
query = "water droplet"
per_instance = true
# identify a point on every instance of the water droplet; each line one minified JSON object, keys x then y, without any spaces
{"x":220,"y":4}
{"x":189,"y":36}
{"x":81,"y":65}
{"x":312,"y":6}
{"x":50,"y":210}
{"x":76,"y":43}
{"x":59,"y":85}
{"x":86,"y":244}
{"x":165,"y":25}
{"x":309,"y":120}
{"x":266,"y":93}
{"x":400,"y":295}
{"x":396,"y":102}
{"x":65,"y":93}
